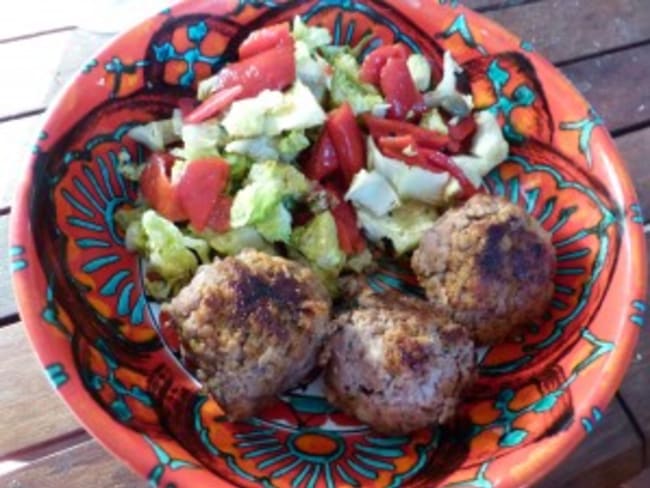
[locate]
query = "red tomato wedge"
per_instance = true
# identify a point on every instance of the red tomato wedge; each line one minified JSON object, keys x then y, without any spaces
{"x":400,"y":91}
{"x":265,"y":39}
{"x":274,"y":69}
{"x":200,"y":187}
{"x":347,"y":140}
{"x":322,"y":161}
{"x":397,"y":143}
{"x":219,"y":218}
{"x":462,"y":131}
{"x":375,"y":61}
{"x":214,"y":104}
{"x":157,"y":188}
{"x":350,"y":238}
{"x":379,"y":128}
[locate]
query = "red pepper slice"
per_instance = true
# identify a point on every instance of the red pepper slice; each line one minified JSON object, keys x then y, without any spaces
{"x":375,"y":61}
{"x":200,"y":187}
{"x":265,"y":39}
{"x":157,"y":188}
{"x":379,"y":127}
{"x":397,"y":143}
{"x":322,"y":161}
{"x":400,"y":91}
{"x":274,"y":69}
{"x":219,"y":218}
{"x":439,"y":161}
{"x":347,"y":140}
{"x":214,"y":104}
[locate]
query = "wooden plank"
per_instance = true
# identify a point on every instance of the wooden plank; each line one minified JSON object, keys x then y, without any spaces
{"x":616,"y":85}
{"x":80,"y":466}
{"x":18,"y":137}
{"x":28,"y":67}
{"x":562,"y":30}
{"x":634,"y":389}
{"x":640,"y":481}
{"x":30,"y":411}
{"x":609,"y":456}
{"x":32,"y":16}
{"x":635,"y":148}
{"x":7,"y":302}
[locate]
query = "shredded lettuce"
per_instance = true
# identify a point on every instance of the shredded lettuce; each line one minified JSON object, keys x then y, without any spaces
{"x":313,"y":37}
{"x":420,"y":71}
{"x":257,"y":148}
{"x":235,"y":240}
{"x":346,"y":87}
{"x":292,"y":144}
{"x":404,"y":226}
{"x":410,"y":182}
{"x":445,"y":94}
{"x":155,"y":135}
{"x":312,"y":70}
{"x":370,"y":190}
{"x":432,"y":120}
{"x":170,"y":254}
{"x":276,"y":227}
{"x":318,"y":242}
{"x":269,"y":183}
{"x":201,"y":140}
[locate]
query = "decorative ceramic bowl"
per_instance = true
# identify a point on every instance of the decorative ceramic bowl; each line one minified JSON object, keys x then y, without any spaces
{"x":80,"y":291}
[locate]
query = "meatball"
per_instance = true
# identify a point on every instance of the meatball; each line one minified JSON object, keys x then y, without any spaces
{"x":488,"y":265}
{"x":251,"y":326}
{"x":396,"y":367}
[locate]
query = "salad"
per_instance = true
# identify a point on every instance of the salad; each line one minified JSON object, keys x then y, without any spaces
{"x":303,"y":149}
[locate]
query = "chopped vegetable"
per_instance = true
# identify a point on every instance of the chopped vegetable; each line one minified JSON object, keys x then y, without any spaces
{"x":446,"y":95}
{"x":322,"y":161}
{"x":318,"y":242}
{"x":372,"y":191}
{"x":292,"y":144}
{"x":404,"y":226}
{"x":347,"y":87}
{"x":347,"y":140}
{"x":155,"y":135}
{"x":258,"y":148}
{"x":276,"y":227}
{"x":274,"y":69}
{"x":347,"y":230}
{"x":235,"y":240}
{"x":158,"y":190}
{"x":201,"y":140}
{"x":217,"y":102}
{"x":265,"y":39}
{"x":432,"y":120}
{"x":379,"y":127}
{"x":420,"y":70}
{"x":375,"y":61}
{"x":199,"y":188}
{"x":400,"y":91}
{"x":313,"y":37}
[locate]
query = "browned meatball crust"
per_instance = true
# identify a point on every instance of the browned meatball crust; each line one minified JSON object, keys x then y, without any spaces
{"x":251,"y":326}
{"x":488,"y":265}
{"x":396,"y":367}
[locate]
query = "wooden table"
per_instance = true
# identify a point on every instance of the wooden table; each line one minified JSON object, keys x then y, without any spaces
{"x":602,"y":45}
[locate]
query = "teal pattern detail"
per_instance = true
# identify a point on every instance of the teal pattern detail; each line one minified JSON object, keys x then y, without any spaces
{"x":586,"y":128}
{"x":96,"y":382}
{"x":255,"y":4}
{"x":527,"y":46}
{"x":89,"y":66}
{"x":609,"y":217}
{"x":196,"y":33}
{"x":479,"y":481}
{"x":50,"y":313}
{"x":636,"y":213}
{"x":56,"y":375}
{"x":17,"y":261}
{"x":522,"y":96}
{"x":589,"y":423}
{"x":165,"y":461}
{"x":451,"y":3}
{"x":117,"y":68}
{"x":638,"y":316}
{"x":461,"y":27}
{"x":512,"y":436}
{"x":368,"y":457}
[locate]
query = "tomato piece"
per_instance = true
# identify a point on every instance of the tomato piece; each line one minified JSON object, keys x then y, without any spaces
{"x":438,"y":161}
{"x":398,"y":143}
{"x":350,"y":238}
{"x":157,"y":188}
{"x":322,"y":161}
{"x":400,"y":91}
{"x":463,"y":128}
{"x":200,"y":187}
{"x":379,"y":127}
{"x":274,"y":69}
{"x":219,"y":218}
{"x":347,"y":140}
{"x":214,"y":104}
{"x":265,"y":39}
{"x":375,"y":61}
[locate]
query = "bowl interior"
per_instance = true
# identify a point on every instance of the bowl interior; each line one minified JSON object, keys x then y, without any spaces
{"x":80,"y":291}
